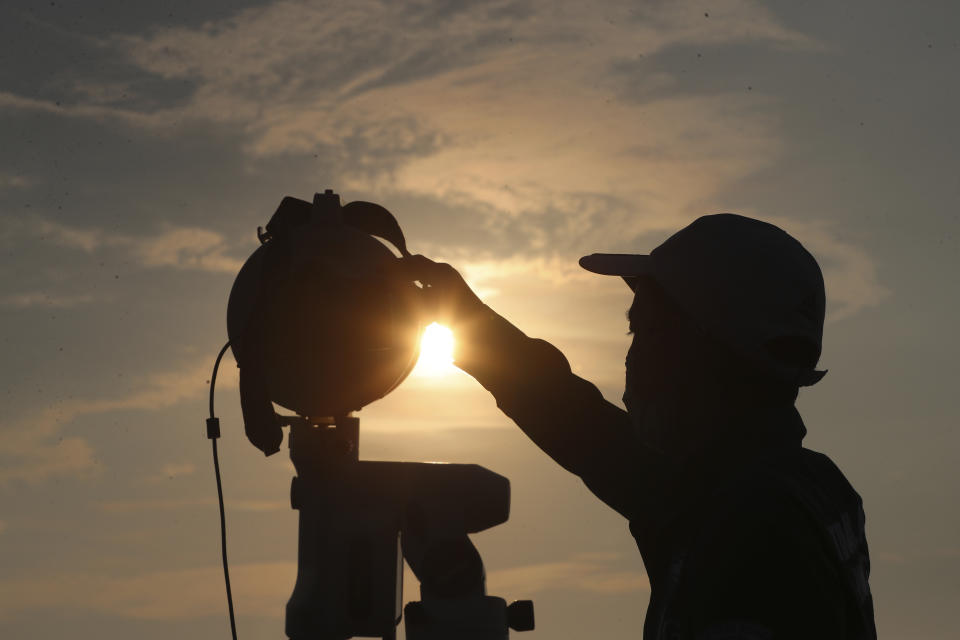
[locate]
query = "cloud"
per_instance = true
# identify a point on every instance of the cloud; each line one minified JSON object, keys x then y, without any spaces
{"x":186,"y":248}
{"x":485,"y":276}
{"x":104,"y":93}
{"x":483,"y":103}
{"x":32,"y":458}
{"x":93,"y":111}
{"x":172,"y":470}
{"x":14,"y":181}
{"x":260,"y":589}
{"x":482,"y":106}
{"x":415,"y":99}
{"x":849,"y":272}
{"x":65,"y":236}
{"x":514,"y":120}
{"x":33,"y":299}
{"x":251,"y":67}
{"x":33,"y":448}
{"x":596,"y":573}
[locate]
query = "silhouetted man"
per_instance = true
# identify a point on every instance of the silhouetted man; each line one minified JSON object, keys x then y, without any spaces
{"x":744,"y":533}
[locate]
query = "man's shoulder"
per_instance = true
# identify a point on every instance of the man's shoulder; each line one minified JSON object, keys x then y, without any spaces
{"x":759,"y":510}
{"x":795,"y":515}
{"x":791,"y":500}
{"x":796,"y":522}
{"x":816,"y":485}
{"x":759,"y":555}
{"x":803,"y":477}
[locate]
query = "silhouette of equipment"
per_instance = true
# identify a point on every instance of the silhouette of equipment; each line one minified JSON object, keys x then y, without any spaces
{"x":315,"y":323}
{"x":318,"y":326}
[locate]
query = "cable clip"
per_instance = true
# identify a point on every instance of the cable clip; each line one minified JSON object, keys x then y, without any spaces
{"x":213,"y":428}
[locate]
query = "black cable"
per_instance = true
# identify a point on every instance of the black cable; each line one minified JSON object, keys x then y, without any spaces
{"x":223,"y":542}
{"x":213,"y":432}
{"x":213,"y":377}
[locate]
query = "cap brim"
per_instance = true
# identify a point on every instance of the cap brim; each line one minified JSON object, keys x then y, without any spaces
{"x":617,"y":264}
{"x":627,"y":266}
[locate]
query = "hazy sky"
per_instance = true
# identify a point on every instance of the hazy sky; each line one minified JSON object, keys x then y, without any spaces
{"x":142,"y":143}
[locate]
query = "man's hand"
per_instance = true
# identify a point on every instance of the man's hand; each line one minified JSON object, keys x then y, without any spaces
{"x":447,"y":297}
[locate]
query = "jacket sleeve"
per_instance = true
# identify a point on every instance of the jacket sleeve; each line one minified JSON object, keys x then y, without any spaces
{"x":565,"y":415}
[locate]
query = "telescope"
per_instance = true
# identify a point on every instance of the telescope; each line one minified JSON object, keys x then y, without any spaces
{"x":321,"y":326}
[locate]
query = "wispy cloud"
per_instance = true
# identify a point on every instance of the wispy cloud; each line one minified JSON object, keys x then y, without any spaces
{"x":66,"y":236}
{"x":32,"y":457}
{"x":92,"y":111}
{"x":411,"y":98}
{"x":187,"y":248}
{"x":34,"y":449}
{"x":33,"y":299}
{"x":428,"y":102}
{"x":14,"y":181}
{"x":172,"y":470}
{"x":849,"y":271}
{"x":411,"y":95}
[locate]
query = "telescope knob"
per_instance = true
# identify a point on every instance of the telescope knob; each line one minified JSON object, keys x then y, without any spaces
{"x":520,"y":615}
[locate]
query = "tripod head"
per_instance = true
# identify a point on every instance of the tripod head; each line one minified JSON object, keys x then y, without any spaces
{"x":359,"y":519}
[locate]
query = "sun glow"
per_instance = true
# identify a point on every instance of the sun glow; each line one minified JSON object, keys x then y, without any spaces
{"x":436,"y":352}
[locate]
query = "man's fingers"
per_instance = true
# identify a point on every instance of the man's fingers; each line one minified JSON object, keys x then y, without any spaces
{"x":425,"y":270}
{"x":413,"y":267}
{"x":430,"y":303}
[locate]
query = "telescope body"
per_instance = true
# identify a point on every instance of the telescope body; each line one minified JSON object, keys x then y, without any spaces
{"x":316,"y":322}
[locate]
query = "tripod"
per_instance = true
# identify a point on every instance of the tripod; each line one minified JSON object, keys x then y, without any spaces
{"x":360,"y":519}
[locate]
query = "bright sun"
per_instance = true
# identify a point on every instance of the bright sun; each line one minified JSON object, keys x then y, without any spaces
{"x":436,"y":352}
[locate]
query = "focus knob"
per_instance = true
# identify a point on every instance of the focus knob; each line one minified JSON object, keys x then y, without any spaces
{"x":520,"y":615}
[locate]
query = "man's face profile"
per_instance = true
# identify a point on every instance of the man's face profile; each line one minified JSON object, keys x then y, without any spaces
{"x":672,"y":382}
{"x":653,"y":363}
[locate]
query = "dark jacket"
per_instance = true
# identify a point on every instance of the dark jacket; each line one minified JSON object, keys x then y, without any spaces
{"x":760,"y":539}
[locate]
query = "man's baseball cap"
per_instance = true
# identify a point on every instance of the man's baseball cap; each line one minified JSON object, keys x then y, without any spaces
{"x":746,"y":282}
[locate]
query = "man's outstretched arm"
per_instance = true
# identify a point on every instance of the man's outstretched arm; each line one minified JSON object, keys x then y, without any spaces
{"x":531,"y":380}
